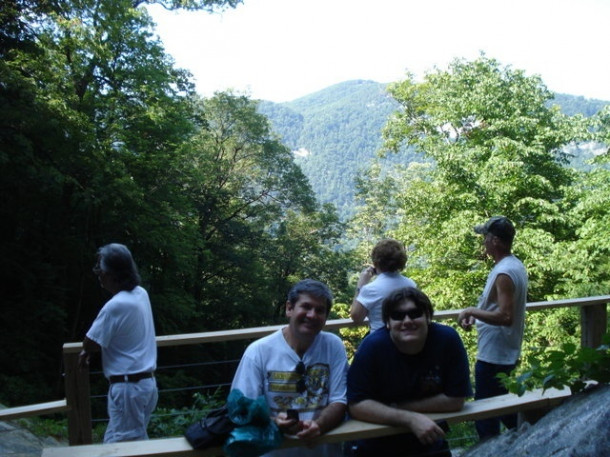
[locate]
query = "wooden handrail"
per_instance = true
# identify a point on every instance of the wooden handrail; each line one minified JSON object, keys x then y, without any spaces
{"x":39,"y":409}
{"x":347,"y":431}
{"x":334,"y":324}
{"x":593,"y":323}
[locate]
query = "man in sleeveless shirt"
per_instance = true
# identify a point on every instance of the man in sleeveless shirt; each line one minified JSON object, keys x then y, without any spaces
{"x":499,"y":317}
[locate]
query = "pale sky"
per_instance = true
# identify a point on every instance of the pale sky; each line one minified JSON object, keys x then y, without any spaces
{"x":280,"y":50}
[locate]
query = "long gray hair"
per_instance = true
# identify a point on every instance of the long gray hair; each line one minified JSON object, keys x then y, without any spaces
{"x":116,"y":260}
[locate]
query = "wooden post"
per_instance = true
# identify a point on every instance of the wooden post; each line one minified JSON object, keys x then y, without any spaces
{"x":593,"y":320}
{"x":76,"y":382}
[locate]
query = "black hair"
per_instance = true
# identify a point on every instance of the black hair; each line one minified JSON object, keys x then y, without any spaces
{"x":398,"y":296}
{"x":315,"y":289}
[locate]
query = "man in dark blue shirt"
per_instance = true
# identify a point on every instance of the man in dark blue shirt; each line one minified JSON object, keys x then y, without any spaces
{"x":409,"y":367}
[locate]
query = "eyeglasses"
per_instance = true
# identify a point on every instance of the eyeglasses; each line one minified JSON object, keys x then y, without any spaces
{"x":97,"y":270}
{"x":301,"y":369}
{"x":413,"y":313}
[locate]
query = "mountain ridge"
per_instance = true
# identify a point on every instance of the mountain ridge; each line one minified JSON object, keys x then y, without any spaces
{"x":336,"y":132}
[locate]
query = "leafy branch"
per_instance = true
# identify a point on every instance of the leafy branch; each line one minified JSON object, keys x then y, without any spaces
{"x":556,"y":368}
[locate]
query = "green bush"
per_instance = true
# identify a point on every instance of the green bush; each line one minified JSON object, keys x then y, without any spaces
{"x":556,"y":368}
{"x":41,"y":426}
{"x":173,"y":422}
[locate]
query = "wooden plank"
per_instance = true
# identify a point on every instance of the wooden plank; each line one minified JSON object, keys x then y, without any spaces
{"x":474,"y":410}
{"x":350,"y":430}
{"x":221,"y":335}
{"x":581,"y":302}
{"x":17,"y":412}
{"x":76,"y":382}
{"x":165,"y":447}
{"x":593,"y":320}
{"x":334,"y":324}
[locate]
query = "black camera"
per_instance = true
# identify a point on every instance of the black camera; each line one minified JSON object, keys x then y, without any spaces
{"x":292,"y":414}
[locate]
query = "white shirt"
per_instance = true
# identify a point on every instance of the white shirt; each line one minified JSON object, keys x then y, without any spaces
{"x":372,"y":295}
{"x":124,"y":328}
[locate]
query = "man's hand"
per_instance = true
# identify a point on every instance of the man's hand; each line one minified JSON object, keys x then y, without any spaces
{"x":89,"y":346}
{"x":465,"y":319}
{"x":425,"y":429}
{"x":83,"y":360}
{"x":309,"y":429}
{"x":288,"y":426}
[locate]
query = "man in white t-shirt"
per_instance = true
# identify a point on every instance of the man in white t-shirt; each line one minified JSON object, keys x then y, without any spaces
{"x":301,"y":370}
{"x":499,"y":317}
{"x":124,"y":332}
{"x":389,"y":259}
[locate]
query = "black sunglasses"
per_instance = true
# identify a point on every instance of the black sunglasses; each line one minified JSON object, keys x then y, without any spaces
{"x":300,"y":369}
{"x":413,"y":314}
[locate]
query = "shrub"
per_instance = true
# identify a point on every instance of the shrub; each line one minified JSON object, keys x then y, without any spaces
{"x":568,"y":366}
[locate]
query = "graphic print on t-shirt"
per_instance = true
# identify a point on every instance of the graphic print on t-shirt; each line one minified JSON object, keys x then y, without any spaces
{"x":307,"y":391}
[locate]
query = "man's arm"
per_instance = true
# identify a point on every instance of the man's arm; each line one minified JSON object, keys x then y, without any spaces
{"x":89,"y":346}
{"x":439,"y":403}
{"x":424,"y":428}
{"x":329,"y":418}
{"x":503,"y":315}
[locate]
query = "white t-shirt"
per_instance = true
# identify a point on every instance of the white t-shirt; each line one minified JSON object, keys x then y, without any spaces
{"x":268,"y":367}
{"x":501,"y":344}
{"x":371,"y":295}
{"x":124,"y":328}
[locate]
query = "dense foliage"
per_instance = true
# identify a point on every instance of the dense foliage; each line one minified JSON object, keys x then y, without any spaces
{"x":566,"y":365}
{"x":337,"y":135}
{"x":104,"y":140}
{"x":494,"y":145}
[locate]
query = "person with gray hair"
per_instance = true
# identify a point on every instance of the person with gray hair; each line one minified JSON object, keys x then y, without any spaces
{"x":300,"y":370}
{"x":124,"y":332}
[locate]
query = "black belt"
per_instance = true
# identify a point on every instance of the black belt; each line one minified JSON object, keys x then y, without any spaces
{"x":130,"y":377}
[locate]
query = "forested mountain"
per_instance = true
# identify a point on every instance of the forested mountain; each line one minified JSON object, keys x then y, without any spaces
{"x":103,"y":140}
{"x":334,"y":133}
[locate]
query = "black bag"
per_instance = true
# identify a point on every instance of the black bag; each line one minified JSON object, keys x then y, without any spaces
{"x":212,"y":430}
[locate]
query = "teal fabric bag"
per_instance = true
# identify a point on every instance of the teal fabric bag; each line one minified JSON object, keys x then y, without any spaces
{"x":255,"y":433}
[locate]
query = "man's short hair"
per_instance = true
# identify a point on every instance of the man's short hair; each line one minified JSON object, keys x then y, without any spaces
{"x":116,"y":260}
{"x":499,"y":226}
{"x":315,"y":289}
{"x":389,"y":255}
{"x":398,"y":296}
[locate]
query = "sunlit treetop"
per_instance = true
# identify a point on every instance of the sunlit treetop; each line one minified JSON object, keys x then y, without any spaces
{"x":191,"y":5}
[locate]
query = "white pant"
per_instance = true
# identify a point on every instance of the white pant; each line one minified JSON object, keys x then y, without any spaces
{"x":130,"y":405}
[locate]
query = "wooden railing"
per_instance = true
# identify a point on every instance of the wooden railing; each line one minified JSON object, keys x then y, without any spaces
{"x":349,"y":430}
{"x":39,"y":409}
{"x":593,"y":325}
{"x":77,"y":403}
